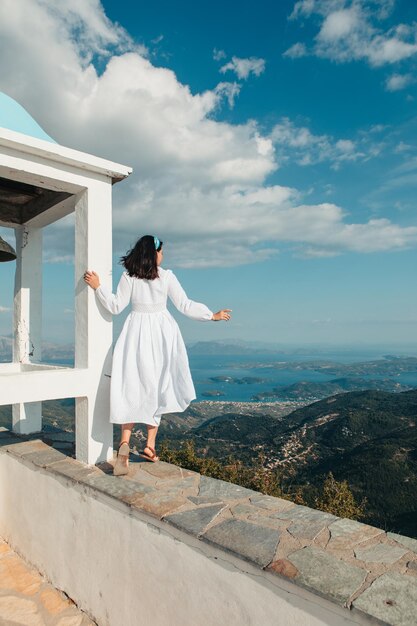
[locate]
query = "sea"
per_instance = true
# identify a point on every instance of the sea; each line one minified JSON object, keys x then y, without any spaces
{"x":206,"y":367}
{"x":261,"y":377}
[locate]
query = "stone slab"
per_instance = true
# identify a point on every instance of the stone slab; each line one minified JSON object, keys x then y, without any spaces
{"x":17,"y":577}
{"x":163,"y":470}
{"x":346,"y":534}
{"x":392,"y":598}
{"x":327,"y":575}
{"x":251,"y":542}
{"x":303,"y":513}
{"x":271,"y":503}
{"x":159,"y":504}
{"x":26,"y":598}
{"x":43,"y":458}
{"x":26,"y":447}
{"x":343,"y":527}
{"x":72,"y":469}
{"x":186,"y":476}
{"x":195,"y":521}
{"x":203,"y":500}
{"x":381,"y":553}
{"x":16,"y":611}
{"x":4,"y":548}
{"x":265,"y":520}
{"x":138,"y":475}
{"x":115,"y":486}
{"x":284,"y":568}
{"x":222,"y":490}
{"x":408,"y":542}
{"x":54,"y":602}
{"x":179,"y":484}
{"x":306,"y":523}
{"x":243,"y":509}
{"x":308,"y":529}
{"x":139,"y":492}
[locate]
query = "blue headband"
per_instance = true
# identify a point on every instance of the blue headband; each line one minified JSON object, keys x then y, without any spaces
{"x":157,"y":243}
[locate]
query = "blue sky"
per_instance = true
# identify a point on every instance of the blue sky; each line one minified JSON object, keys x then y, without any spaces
{"x":273,"y":146}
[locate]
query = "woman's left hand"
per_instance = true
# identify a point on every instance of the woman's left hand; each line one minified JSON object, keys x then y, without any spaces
{"x":223,"y":315}
{"x":92,"y":279}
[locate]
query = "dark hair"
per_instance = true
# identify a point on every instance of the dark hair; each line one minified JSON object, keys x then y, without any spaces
{"x":140,"y":261}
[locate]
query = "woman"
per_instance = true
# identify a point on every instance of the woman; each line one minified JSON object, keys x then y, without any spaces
{"x":150,"y":371}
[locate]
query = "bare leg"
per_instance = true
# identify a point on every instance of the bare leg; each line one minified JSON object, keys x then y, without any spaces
{"x":126,"y":432}
{"x":125,"y":438}
{"x":150,"y":443}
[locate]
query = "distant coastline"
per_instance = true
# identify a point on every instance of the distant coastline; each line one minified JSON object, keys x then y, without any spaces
{"x":246,"y":372}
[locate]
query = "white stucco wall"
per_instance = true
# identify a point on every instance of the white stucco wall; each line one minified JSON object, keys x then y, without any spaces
{"x":89,"y":180}
{"x":130,"y":570}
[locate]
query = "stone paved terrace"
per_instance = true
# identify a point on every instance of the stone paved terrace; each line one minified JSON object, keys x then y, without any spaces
{"x":369,"y":574}
{"x":27,"y":599}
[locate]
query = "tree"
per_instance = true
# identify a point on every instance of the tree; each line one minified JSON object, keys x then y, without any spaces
{"x":256,"y":477}
{"x":337,"y":498}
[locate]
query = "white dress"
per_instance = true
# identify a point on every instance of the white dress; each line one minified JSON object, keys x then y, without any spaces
{"x":150,"y":372}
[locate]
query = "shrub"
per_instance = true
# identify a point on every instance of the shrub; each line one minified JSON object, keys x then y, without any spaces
{"x":337,"y":498}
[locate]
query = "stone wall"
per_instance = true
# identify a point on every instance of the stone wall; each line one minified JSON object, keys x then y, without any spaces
{"x":167,"y":546}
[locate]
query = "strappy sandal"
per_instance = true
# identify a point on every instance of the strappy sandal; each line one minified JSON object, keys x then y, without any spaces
{"x":152,"y":457}
{"x":119,"y":467}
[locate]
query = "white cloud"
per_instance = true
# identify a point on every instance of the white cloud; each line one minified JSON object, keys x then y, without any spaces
{"x":345,"y":146}
{"x":339,"y":24}
{"x":350,"y":31}
{"x":303,"y":8}
{"x":396,"y":82}
{"x":378,"y":128}
{"x":200,"y":184}
{"x":386,"y":49}
{"x":286,"y":133}
{"x":399,"y":184}
{"x":230,"y":91}
{"x":244,"y":67}
{"x":218,"y":55}
{"x":403,"y":147}
{"x":306,"y":8}
{"x":4,"y":309}
{"x":305,"y":148}
{"x":296,"y":51}
{"x":86,"y":21}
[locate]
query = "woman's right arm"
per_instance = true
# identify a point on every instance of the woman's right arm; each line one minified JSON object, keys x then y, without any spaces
{"x":115,"y":303}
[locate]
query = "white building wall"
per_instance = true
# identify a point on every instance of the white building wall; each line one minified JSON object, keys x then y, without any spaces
{"x":89,"y":180}
{"x":128,"y":570}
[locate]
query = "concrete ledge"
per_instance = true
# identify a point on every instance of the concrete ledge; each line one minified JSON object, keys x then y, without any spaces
{"x":196,"y":546}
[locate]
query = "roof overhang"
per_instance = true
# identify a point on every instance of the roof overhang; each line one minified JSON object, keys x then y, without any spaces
{"x":23,"y":200}
{"x":32,"y":146}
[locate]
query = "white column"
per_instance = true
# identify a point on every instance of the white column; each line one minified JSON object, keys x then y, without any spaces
{"x":27,"y":320}
{"x":93,"y":325}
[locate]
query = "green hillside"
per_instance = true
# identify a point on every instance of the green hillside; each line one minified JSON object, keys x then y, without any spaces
{"x":368,"y":438}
